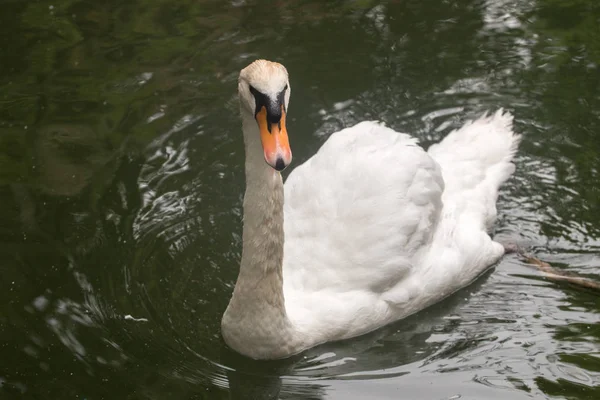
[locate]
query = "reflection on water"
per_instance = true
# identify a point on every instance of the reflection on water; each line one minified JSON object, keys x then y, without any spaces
{"x":121,"y":178}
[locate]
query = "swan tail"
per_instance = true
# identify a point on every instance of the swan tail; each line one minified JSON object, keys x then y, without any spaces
{"x":475,"y":161}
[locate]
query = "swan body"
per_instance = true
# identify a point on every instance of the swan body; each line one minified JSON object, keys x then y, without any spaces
{"x":369,"y":230}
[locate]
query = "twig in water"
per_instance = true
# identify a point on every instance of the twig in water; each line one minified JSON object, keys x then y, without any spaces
{"x":552,"y":273}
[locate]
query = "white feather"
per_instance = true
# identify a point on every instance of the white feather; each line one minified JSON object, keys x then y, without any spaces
{"x":377,"y":229}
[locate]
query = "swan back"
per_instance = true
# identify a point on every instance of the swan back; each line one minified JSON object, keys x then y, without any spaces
{"x":367,"y":201}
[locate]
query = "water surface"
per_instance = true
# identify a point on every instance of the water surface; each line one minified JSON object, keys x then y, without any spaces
{"x":121,"y":182}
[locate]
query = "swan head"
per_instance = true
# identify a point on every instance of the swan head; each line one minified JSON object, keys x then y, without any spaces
{"x":264,"y":90}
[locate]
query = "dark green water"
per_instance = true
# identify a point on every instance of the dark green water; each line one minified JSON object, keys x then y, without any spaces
{"x":121,"y":179}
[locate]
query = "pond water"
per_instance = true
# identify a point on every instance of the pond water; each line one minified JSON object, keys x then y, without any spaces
{"x":121,"y":182}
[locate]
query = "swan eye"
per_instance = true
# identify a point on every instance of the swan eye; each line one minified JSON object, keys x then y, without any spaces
{"x":253,"y":90}
{"x":281,"y":96}
{"x":260,"y":99}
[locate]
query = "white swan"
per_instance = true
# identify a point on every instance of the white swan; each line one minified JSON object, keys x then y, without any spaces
{"x":376,"y":228}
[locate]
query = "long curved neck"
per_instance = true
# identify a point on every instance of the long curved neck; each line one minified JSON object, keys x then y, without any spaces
{"x":263,"y":235}
{"x":255,"y":322}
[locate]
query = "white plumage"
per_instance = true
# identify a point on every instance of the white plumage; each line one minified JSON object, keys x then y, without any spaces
{"x":376,"y":228}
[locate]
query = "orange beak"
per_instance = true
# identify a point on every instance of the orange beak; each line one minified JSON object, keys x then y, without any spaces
{"x":274,"y":140}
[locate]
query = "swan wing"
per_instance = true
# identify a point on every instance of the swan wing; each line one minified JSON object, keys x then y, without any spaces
{"x":475,"y":161}
{"x":359,"y":211}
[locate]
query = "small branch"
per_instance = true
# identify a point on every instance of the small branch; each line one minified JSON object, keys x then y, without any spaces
{"x":554,"y":274}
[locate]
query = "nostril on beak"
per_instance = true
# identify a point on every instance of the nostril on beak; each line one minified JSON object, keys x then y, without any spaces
{"x":279,"y":164}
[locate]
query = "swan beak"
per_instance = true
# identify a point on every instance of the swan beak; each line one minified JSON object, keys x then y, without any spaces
{"x":274,"y":138}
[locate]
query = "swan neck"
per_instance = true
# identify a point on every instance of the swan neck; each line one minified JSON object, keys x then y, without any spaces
{"x":255,"y":322}
{"x":263,"y":235}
